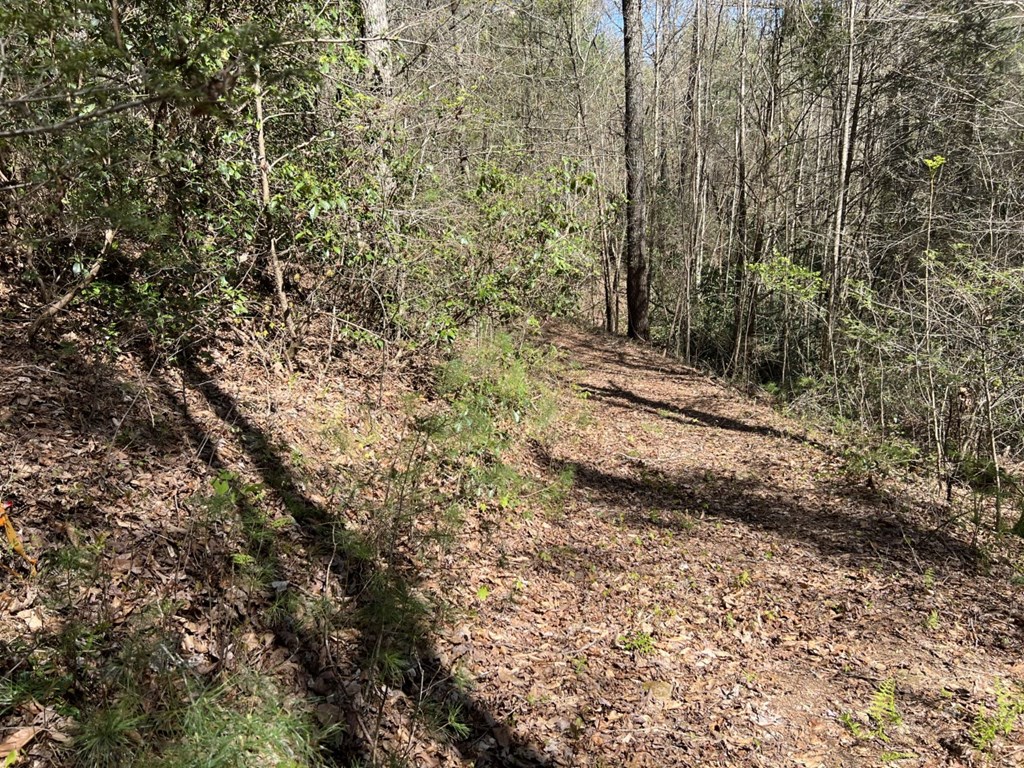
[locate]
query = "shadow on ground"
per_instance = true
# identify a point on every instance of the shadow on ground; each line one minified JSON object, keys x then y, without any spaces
{"x":851,"y":535}
{"x":624,"y":398}
{"x":425,"y":680}
{"x":66,"y":400}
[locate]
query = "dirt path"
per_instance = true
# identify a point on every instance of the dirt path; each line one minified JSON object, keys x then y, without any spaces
{"x":710,"y":591}
{"x":717,"y":593}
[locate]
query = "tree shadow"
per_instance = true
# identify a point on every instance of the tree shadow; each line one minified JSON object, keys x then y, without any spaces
{"x":72,"y":425}
{"x":854,"y":537}
{"x":70,"y":391}
{"x":624,"y":398}
{"x":594,"y":343}
{"x":372,"y":588}
{"x":70,"y":400}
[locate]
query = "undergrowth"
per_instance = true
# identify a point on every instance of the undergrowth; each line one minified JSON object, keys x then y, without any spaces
{"x":129,"y":693}
{"x":497,"y":389}
{"x":496,"y":386}
{"x":1001,"y":720}
{"x":131,"y":701}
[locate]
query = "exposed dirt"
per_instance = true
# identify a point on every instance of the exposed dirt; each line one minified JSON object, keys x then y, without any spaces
{"x":778,"y":594}
{"x":713,"y":591}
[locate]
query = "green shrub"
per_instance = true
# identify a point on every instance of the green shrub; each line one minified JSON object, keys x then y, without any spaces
{"x":494,"y":386}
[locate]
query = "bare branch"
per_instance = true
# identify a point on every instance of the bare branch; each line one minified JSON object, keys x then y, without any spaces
{"x":85,"y":118}
{"x":50,"y":312}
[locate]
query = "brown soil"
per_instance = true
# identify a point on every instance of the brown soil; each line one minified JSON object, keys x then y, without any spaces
{"x":779,"y":594}
{"x":713,"y":591}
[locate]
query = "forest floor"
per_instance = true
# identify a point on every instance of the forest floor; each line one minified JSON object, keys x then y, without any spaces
{"x":712,"y":587}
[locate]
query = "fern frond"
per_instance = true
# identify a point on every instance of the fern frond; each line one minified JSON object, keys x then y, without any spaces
{"x":883,"y":711}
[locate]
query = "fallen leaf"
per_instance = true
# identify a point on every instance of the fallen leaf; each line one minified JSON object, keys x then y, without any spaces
{"x":17,"y":740}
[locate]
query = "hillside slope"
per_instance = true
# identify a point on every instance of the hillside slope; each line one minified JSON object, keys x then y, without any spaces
{"x":705,"y":588}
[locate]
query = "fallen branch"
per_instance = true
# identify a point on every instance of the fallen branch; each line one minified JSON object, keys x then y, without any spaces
{"x":48,"y":314}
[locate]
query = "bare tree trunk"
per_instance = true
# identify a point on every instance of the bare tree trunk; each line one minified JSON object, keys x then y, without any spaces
{"x":835,"y":285}
{"x":377,"y":45}
{"x":697,"y":173}
{"x":609,"y":260}
{"x":738,"y":224}
{"x":637,"y":270}
{"x":992,"y":447}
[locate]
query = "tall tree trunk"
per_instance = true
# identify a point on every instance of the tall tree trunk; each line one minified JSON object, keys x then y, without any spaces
{"x":835,"y":277}
{"x":637,"y":270}
{"x":609,"y":259}
{"x":738,"y":222}
{"x":695,"y":242}
{"x":377,"y":47}
{"x":376,"y":43}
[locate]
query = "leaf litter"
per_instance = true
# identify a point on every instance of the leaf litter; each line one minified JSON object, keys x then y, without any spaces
{"x":712,"y":589}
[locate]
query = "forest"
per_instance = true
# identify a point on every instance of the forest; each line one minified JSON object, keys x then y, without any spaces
{"x":530,"y":383}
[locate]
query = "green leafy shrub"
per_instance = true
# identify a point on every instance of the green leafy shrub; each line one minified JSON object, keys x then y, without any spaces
{"x":867,"y":456}
{"x":494,"y":385}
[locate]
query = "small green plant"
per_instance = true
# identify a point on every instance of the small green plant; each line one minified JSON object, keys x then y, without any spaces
{"x":579,"y":665}
{"x":446,"y":719}
{"x":242,"y":559}
{"x":638,"y":642}
{"x":882,"y":714}
{"x":929,"y":578}
{"x":932,"y":620}
{"x":455,"y":723}
{"x":1001,"y":721}
{"x":110,"y":737}
{"x":933,"y":164}
{"x":855,"y":728}
{"x":389,"y":664}
{"x":743,"y":579}
{"x":883,"y":711}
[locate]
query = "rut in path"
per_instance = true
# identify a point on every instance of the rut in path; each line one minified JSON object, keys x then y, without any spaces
{"x":719,"y":593}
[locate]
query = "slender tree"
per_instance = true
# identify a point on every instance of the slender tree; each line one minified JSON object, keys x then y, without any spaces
{"x":637,"y":269}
